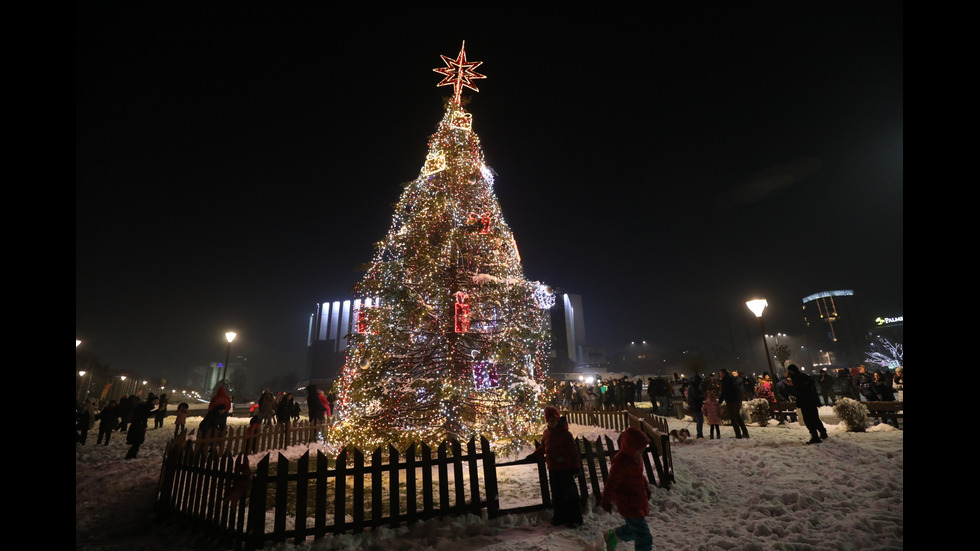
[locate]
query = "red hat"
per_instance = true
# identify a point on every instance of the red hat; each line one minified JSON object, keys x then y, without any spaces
{"x":551,"y":412}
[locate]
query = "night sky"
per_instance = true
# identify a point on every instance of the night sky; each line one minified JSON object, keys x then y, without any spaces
{"x":234,"y":166}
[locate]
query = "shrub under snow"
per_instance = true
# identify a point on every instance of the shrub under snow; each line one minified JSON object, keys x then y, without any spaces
{"x":852,"y":413}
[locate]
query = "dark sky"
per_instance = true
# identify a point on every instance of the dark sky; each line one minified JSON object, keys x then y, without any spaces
{"x":235,"y":165}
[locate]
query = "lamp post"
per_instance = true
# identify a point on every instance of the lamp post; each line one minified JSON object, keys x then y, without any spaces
{"x":230,"y":335}
{"x":81,"y":375}
{"x":757,"y":306}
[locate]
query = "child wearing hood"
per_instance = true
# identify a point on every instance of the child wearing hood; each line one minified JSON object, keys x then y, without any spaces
{"x":628,"y":488}
{"x":712,"y":413}
{"x":180,"y":421}
{"x":560,"y":452}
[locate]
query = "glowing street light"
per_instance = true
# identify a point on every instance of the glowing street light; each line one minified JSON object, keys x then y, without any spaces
{"x":230,"y":335}
{"x":757,"y":306}
{"x":82,"y":374}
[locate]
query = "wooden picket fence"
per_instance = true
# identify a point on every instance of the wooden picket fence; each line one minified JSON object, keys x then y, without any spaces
{"x":218,"y":494}
{"x":241,"y":439}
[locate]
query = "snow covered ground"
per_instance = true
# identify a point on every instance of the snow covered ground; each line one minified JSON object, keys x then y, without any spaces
{"x":767,"y":492}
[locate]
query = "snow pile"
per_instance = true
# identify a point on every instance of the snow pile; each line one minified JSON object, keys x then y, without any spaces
{"x":767,"y":492}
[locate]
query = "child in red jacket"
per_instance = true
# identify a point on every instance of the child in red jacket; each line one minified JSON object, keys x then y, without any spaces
{"x":630,"y":491}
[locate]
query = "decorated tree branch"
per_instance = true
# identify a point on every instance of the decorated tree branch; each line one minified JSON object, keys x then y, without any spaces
{"x":453,"y":344}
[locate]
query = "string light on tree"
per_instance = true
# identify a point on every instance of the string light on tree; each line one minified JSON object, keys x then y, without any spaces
{"x":455,"y":344}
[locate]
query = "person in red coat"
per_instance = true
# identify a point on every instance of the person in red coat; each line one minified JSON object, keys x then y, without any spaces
{"x":221,"y":397}
{"x":560,"y":452}
{"x":628,"y":488}
{"x":327,"y":412}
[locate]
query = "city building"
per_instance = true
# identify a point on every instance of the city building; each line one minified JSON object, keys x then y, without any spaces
{"x":332,"y":322}
{"x":208,"y":377}
{"x":886,"y":342}
{"x":836,"y":328}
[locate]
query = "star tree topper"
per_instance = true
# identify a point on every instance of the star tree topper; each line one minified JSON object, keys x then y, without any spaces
{"x":459,"y":73}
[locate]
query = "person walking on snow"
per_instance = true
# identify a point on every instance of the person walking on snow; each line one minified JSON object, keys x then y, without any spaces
{"x":805,"y":390}
{"x":629,"y":489}
{"x":137,"y":431}
{"x":108,"y":421}
{"x":731,"y":396}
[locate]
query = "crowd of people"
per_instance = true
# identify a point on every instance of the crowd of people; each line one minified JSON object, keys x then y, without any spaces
{"x":857,"y":383}
{"x":616,"y":394}
{"x":707,"y":399}
{"x":129,"y":416}
{"x":720,"y":395}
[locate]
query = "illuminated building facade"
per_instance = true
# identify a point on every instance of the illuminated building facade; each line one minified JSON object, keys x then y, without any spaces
{"x":332,"y":323}
{"x":567,"y":326}
{"x":836,"y":328}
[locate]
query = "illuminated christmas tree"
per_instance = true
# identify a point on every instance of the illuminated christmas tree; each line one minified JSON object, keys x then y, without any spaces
{"x":448,"y":340}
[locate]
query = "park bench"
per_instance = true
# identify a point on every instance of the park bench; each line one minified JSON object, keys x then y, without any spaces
{"x":783,"y":411}
{"x":886,"y":411}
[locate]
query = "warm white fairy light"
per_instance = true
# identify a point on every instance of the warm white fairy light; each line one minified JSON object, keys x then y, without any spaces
{"x":456,"y":346}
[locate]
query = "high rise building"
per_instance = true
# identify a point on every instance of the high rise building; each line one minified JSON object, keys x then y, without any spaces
{"x":333,"y":321}
{"x":836,"y":328}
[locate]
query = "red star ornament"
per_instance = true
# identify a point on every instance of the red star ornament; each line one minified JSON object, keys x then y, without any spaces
{"x":459,"y":73}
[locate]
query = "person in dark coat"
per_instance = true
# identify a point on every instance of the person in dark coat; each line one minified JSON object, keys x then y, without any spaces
{"x":566,"y":395}
{"x":284,"y":410}
{"x":629,"y":489}
{"x":695,"y":399}
{"x":827,"y":390}
{"x":846,"y":387}
{"x":883,"y":388}
{"x":332,"y":403}
{"x":267,"y":407}
{"x":318,"y":412}
{"x":731,"y":397}
{"x":781,"y":391}
{"x":214,"y":420}
{"x":807,"y":400}
{"x":108,"y":421}
{"x":126,"y":406}
{"x":137,"y":430}
{"x":85,"y":421}
{"x":317,"y":409}
{"x":864,"y":385}
{"x":560,"y":453}
{"x":160,"y":413}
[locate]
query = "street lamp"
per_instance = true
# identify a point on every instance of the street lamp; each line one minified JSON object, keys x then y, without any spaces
{"x":81,"y":374}
{"x":757,"y":306}
{"x":230,"y":335}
